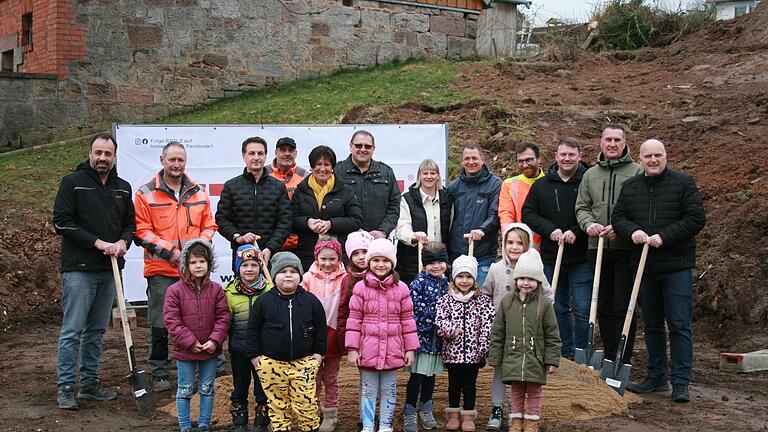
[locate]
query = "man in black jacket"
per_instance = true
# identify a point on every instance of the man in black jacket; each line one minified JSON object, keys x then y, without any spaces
{"x":254,"y":203}
{"x":550,"y":211}
{"x":664,"y":209}
{"x":93,"y":212}
{"x":374,"y":184}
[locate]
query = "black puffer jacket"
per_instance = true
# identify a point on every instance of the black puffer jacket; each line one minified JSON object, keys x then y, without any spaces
{"x":286,"y":327}
{"x":339,"y":206}
{"x":376,"y":191}
{"x":668,"y":204}
{"x":262,"y":208}
{"x":86,"y":210}
{"x":550,"y":205}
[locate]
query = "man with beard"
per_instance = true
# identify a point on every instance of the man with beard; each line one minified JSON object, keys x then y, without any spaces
{"x":514,"y":190}
{"x":171,"y":209}
{"x":94,"y":214}
{"x":284,"y":168}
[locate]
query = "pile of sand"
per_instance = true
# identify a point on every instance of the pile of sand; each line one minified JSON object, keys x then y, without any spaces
{"x":573,"y":393}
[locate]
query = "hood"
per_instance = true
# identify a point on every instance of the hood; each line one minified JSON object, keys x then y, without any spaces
{"x":623,"y":160}
{"x":373,"y":282}
{"x":185,"y":254}
{"x":552,"y":172}
{"x":483,"y":176}
{"x":522,"y":226}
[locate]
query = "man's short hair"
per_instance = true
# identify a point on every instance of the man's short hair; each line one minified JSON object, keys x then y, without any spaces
{"x":364,"y":133}
{"x":173,"y":144}
{"x":254,"y":140}
{"x":616,"y":127}
{"x":570,"y":142}
{"x":525,"y":145}
{"x":104,"y":136}
{"x":472,"y":146}
{"x":321,"y":152}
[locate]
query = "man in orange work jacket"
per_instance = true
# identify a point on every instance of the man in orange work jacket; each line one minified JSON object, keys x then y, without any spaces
{"x":284,"y":168}
{"x":171,"y":209}
{"x":515,"y":189}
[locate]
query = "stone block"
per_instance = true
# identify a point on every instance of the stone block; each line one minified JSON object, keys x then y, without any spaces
{"x":325,"y":56}
{"x":320,"y":30}
{"x":100,"y":92}
{"x":42,"y":89}
{"x":225,"y":8}
{"x":70,"y":91}
{"x":747,"y":362}
{"x":136,"y":95}
{"x":411,"y":21}
{"x":362,"y":54}
{"x":448,"y":25}
{"x":373,"y":19}
{"x":14,"y":89}
{"x":341,"y":37}
{"x":141,"y":36}
{"x":441,"y":45}
{"x":218,"y":61}
{"x":471,"y":28}
{"x":51,"y":113}
{"x":340,"y":15}
{"x":460,"y":48}
{"x":426,"y":41}
{"x":387,"y":54}
{"x":370,"y":35}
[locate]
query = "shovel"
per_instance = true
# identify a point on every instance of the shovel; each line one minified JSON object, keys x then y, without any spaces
{"x":263,"y":264}
{"x":614,"y":372}
{"x":471,"y":250}
{"x":137,"y":378}
{"x":588,"y":355}
{"x":421,"y":264}
{"x":558,"y":264}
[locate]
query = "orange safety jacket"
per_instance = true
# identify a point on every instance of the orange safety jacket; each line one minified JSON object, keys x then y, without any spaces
{"x":514,"y":190}
{"x":291,"y":180}
{"x":165,"y":223}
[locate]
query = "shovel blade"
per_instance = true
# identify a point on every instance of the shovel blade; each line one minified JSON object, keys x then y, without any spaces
{"x":580,"y":356}
{"x":140,"y":389}
{"x":616,"y":378}
{"x":596,"y":362}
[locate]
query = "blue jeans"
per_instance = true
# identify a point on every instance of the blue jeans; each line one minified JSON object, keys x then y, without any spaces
{"x":572,"y":300}
{"x":381,"y":384}
{"x":187,"y":370}
{"x":86,"y":303}
{"x":482,"y":269}
{"x":668,"y":297}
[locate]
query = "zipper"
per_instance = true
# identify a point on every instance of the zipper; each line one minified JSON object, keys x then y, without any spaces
{"x":290,"y":323}
{"x":557,"y":200}
{"x":522,"y":370}
{"x":651,"y":209}
{"x":611,"y":178}
{"x":464,"y":333}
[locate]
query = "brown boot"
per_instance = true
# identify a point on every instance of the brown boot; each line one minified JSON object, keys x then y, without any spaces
{"x":468,"y":420}
{"x":516,"y":425}
{"x":531,"y":425}
{"x":452,"y":414}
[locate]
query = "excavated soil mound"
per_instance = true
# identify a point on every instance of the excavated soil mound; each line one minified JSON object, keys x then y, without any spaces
{"x":573,"y":393}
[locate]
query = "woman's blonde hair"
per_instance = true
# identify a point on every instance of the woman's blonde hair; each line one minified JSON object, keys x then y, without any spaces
{"x":428,"y":165}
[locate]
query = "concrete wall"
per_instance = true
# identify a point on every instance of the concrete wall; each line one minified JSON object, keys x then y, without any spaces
{"x":727,"y":10}
{"x":145,"y":59}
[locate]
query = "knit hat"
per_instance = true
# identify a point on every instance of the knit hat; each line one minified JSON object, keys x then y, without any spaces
{"x":429,"y":257}
{"x":356,"y":241}
{"x":464,"y":264}
{"x":328,"y":244}
{"x":281,"y":260}
{"x":246,"y":252}
{"x":529,"y":265}
{"x":380,"y":248}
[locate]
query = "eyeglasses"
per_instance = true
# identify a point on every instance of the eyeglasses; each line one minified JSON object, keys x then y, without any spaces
{"x":366,"y":146}
{"x":528,"y":161}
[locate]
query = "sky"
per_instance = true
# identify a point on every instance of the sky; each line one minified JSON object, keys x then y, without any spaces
{"x":579,"y":11}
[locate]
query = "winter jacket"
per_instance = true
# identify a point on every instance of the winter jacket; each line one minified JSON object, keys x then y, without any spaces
{"x":514,"y":191}
{"x":549,"y":206}
{"x":341,"y":327}
{"x":380,"y":325}
{"x":291,"y":180}
{"x":376,"y":191}
{"x":86,"y":210}
{"x":240,"y":308}
{"x":500,"y":280}
{"x":339,"y":206}
{"x":262,"y":208}
{"x":475,"y":206}
{"x":416,"y":220}
{"x":191,"y":316}
{"x":598,"y":192}
{"x":164,"y":223}
{"x":286,"y":327}
{"x":667,"y":204}
{"x":475,"y":318}
{"x":525,"y":339}
{"x":425,"y":291}
{"x":332,"y":294}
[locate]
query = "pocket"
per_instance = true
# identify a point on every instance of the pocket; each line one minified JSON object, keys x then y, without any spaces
{"x":308,"y":329}
{"x":163,"y":215}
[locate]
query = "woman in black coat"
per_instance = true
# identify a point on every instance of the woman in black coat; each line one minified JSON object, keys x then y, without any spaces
{"x":323,"y":205}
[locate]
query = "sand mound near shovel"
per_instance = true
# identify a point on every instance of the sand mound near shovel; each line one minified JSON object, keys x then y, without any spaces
{"x":573,"y":393}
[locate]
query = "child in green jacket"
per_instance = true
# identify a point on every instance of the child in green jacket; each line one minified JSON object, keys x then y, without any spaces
{"x":525,"y":342}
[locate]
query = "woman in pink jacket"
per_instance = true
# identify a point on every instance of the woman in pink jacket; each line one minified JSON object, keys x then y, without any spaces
{"x":381,"y":333}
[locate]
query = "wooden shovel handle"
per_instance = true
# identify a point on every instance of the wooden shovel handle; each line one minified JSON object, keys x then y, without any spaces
{"x":596,"y":280}
{"x":263,"y":264}
{"x":420,"y":247}
{"x":558,"y":264}
{"x":471,"y":250}
{"x":123,"y":310}
{"x":635,"y":290}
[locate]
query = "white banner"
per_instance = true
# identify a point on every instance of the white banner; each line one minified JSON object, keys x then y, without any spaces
{"x":214,"y":156}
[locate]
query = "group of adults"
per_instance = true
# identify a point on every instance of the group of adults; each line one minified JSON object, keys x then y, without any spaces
{"x":280,"y":206}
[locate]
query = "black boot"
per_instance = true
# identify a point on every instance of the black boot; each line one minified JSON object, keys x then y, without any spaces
{"x":261,"y":421}
{"x":239,"y":417}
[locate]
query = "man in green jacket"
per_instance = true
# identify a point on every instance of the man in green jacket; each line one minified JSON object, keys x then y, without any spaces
{"x":597,"y":197}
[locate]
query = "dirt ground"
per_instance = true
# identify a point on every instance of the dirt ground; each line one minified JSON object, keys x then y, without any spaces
{"x":706,"y":97}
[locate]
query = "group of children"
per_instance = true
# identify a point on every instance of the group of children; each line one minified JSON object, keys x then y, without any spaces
{"x":291,"y":337}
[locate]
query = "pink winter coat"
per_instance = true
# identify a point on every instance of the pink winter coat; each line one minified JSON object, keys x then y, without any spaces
{"x":380,"y":325}
{"x":332,"y":294}
{"x":193,"y":317}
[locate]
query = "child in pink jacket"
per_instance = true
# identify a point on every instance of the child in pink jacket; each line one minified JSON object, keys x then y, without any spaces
{"x":324,"y":281}
{"x":381,"y":333}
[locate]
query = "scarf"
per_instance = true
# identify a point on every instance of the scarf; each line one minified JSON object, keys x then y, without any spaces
{"x":248,"y":289}
{"x":320,"y":191}
{"x":461,"y":298}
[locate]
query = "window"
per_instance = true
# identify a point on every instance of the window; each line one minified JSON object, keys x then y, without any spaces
{"x":26,"y":29}
{"x":7,"y":61}
{"x":740,"y":10}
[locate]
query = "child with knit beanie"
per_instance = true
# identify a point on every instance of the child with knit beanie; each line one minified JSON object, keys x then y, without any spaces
{"x":249,"y":283}
{"x":426,"y":288}
{"x":286,"y":343}
{"x":464,"y":319}
{"x":525,"y":342}
{"x":516,"y":240}
{"x":324,"y":280}
{"x":381,"y":333}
